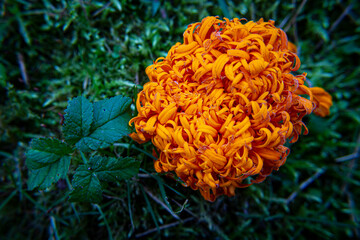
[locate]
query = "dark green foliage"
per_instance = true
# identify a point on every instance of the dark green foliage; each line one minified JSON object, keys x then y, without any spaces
{"x":78,"y":119}
{"x":88,"y":126}
{"x":48,"y":161}
{"x":86,"y":182}
{"x":92,"y":126}
{"x":86,"y":186}
{"x":54,"y":51}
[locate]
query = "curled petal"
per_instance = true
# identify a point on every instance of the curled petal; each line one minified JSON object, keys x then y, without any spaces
{"x":222,"y":104}
{"x":323,"y":101}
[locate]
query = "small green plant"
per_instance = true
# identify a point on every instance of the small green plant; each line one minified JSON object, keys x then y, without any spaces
{"x":87,"y":128}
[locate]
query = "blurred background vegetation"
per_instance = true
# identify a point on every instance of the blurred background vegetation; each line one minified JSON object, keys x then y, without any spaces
{"x":52,"y":51}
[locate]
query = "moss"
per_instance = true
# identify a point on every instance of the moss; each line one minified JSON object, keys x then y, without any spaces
{"x":85,"y":47}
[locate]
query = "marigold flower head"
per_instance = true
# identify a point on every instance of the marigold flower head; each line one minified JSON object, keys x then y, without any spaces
{"x":221,"y":105}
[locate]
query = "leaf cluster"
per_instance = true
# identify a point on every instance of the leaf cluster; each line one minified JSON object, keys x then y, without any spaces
{"x":88,"y":127}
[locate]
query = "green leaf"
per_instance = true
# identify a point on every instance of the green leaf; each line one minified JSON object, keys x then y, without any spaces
{"x":48,"y":160}
{"x":78,"y":119}
{"x":86,"y":182}
{"x":108,"y":120}
{"x":110,"y":123}
{"x":109,"y":109}
{"x":86,"y":186}
{"x":113,"y":169}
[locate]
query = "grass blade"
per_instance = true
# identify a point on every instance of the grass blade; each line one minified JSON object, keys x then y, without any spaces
{"x":149,"y":207}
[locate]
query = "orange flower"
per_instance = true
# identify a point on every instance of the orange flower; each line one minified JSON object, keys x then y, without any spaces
{"x":292,"y":47}
{"x":222,"y":104}
{"x":323,"y":101}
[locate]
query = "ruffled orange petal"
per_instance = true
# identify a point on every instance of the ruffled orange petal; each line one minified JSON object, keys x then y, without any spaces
{"x":292,"y":47}
{"x":323,"y":101}
{"x":222,"y":104}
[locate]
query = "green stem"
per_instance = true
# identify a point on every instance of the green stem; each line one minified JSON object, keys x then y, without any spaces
{"x":8,"y":199}
{"x":68,"y":182}
{"x":53,"y":225}
{"x":105,"y":221}
{"x":130,"y":211}
{"x":72,"y":204}
{"x":83,"y":157}
{"x":127,"y":146}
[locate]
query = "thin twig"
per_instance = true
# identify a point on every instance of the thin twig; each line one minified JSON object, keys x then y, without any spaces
{"x":101,"y":9}
{"x":163,"y":227}
{"x":354,"y":217}
{"x":23,"y":72}
{"x":353,"y":17}
{"x":185,"y":209}
{"x":304,"y":185}
{"x":144,"y":175}
{"x":348,"y":157}
{"x":293,"y":19}
{"x":336,"y":23}
{"x":351,"y":165}
{"x":113,"y":197}
{"x":161,"y":203}
{"x":284,"y":21}
{"x":352,"y":156}
{"x":296,"y":38}
{"x":345,"y":187}
{"x":84,"y":9}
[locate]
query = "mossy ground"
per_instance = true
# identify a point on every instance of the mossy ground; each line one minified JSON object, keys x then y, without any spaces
{"x":52,"y":51}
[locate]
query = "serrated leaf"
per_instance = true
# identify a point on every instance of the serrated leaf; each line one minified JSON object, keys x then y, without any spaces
{"x":48,"y":160}
{"x":113,"y":169}
{"x":86,"y":182}
{"x":86,"y":186}
{"x":106,"y":135}
{"x":44,"y":177}
{"x":109,"y":109}
{"x":78,"y":119}
{"x":110,"y":123}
